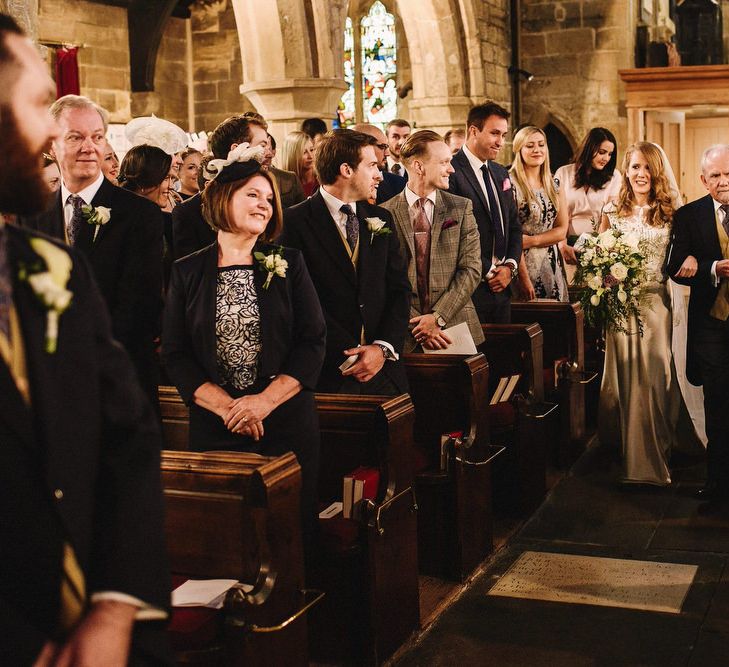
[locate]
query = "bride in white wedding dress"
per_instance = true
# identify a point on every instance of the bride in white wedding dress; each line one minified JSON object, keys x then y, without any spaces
{"x":642,"y":407}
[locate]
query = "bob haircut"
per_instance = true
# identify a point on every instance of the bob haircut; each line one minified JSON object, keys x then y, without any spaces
{"x":216,"y":199}
{"x":144,"y":167}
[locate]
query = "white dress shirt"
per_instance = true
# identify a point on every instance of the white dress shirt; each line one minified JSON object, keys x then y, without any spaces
{"x":392,"y":161}
{"x":87,"y":194}
{"x":429,"y":205}
{"x":334,"y":206}
{"x":476,"y":165}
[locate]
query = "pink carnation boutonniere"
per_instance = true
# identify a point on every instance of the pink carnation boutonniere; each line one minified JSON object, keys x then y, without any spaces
{"x":506,"y":186}
{"x":449,"y":223}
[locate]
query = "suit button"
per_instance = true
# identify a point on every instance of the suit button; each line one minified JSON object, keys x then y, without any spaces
{"x":361,"y":305}
{"x":58,"y":494}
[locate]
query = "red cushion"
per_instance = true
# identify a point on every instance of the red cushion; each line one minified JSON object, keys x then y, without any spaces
{"x":502,"y":415}
{"x":338,"y":534}
{"x":193,"y":628}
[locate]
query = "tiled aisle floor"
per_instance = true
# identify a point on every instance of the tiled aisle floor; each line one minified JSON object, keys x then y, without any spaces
{"x":589,"y":513}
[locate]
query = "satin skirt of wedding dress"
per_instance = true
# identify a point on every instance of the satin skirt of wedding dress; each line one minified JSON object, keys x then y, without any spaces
{"x":641,"y":407}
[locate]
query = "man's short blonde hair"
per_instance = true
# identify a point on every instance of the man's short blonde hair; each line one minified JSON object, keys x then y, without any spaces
{"x":78,"y":102}
{"x":416,"y":145}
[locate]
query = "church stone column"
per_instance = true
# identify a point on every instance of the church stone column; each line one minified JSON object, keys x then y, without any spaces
{"x":25,"y":12}
{"x":284,"y":103}
{"x":440,"y":113}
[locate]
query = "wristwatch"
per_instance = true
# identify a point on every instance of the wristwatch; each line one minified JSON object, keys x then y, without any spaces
{"x":439,"y":320}
{"x":514,"y":270}
{"x":385,"y":350}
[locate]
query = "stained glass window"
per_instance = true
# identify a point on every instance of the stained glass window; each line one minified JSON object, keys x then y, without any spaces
{"x":379,"y":68}
{"x":372,"y":71}
{"x":346,"y":110}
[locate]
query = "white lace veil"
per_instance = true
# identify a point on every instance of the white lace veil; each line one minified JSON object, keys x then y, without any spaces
{"x":672,"y":182}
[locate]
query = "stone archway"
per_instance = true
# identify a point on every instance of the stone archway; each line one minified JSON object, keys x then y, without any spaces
{"x":292,"y":58}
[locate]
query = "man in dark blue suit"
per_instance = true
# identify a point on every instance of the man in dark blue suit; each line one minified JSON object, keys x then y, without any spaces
{"x":478,"y":178}
{"x":391,"y":184}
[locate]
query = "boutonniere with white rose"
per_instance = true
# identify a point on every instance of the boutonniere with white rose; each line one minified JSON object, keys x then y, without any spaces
{"x":49,"y":285}
{"x":377,"y":227}
{"x":97,"y":216}
{"x":273,"y":263}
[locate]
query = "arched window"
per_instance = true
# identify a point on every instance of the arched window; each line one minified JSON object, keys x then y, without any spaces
{"x":370,"y":69}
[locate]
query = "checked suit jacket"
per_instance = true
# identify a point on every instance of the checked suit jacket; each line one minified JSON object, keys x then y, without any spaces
{"x":455,"y":260}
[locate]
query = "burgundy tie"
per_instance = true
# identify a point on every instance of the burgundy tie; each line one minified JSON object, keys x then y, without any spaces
{"x":421,"y":229}
{"x":725,"y":222}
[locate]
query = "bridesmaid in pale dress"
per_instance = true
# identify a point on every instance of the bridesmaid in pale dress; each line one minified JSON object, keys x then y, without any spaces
{"x":585,"y":186}
{"x":642,"y":410}
{"x":541,"y":274}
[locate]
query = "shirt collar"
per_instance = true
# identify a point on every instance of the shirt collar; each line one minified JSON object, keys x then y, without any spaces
{"x":87,"y":194}
{"x":412,"y":197}
{"x":391,"y":160}
{"x":475,"y":162}
{"x":334,"y":205}
{"x":717,"y":205}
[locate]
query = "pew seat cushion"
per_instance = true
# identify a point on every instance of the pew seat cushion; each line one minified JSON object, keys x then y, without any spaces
{"x":502,"y":415}
{"x":194,"y":628}
{"x":338,"y":535}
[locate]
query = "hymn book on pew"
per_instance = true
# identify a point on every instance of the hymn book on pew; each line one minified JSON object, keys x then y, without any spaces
{"x":204,"y":592}
{"x":361,"y":484}
{"x":504,"y":389}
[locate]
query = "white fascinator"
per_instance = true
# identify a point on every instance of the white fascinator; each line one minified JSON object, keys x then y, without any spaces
{"x":153,"y":131}
{"x":242,"y":161}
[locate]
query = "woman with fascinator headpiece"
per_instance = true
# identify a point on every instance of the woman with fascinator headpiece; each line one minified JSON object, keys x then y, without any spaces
{"x":642,"y":409}
{"x":244,"y":333}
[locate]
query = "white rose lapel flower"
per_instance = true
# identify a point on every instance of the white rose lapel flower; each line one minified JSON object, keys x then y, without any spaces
{"x":377,"y":227}
{"x":272,"y":263}
{"x":48,"y":278}
{"x":96,"y":216}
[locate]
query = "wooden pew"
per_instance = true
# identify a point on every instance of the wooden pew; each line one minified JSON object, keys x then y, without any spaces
{"x":455,"y":527}
{"x":233,"y":515}
{"x":522,"y":424}
{"x":367,"y":566}
{"x":175,"y":419}
{"x":564,"y":367}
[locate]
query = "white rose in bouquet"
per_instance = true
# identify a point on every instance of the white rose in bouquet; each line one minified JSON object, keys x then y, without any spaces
{"x":631,"y":239}
{"x":619,"y":271}
{"x":606,"y":240}
{"x":595,"y":282}
{"x":595,"y":300}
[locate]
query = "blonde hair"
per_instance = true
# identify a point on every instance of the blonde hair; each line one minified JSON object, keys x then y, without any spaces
{"x":659,"y":197}
{"x":518,"y":173}
{"x":292,"y":151}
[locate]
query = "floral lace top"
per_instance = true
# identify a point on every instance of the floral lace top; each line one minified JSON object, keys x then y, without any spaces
{"x":655,"y":239}
{"x":237,"y":326}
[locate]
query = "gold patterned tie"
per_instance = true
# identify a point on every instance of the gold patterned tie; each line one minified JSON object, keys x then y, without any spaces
{"x":73,"y":590}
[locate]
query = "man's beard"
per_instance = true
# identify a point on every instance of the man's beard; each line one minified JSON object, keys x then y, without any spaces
{"x":22,"y":188}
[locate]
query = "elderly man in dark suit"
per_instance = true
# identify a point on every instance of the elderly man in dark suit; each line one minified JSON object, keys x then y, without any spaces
{"x":701,"y":229}
{"x":119,"y":232}
{"x":190,"y":232}
{"x":354,"y":259}
{"x":81,"y":527}
{"x":487,"y":185}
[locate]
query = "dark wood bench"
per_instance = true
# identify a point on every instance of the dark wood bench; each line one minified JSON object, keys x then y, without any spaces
{"x":368,"y":565}
{"x":455,"y":526}
{"x":175,"y":419}
{"x":565,"y":377}
{"x":231,"y":515}
{"x":522,"y":424}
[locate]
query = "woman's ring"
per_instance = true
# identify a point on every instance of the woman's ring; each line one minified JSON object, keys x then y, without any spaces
{"x":245,"y":419}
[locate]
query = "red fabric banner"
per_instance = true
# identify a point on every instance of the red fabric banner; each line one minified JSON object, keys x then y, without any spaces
{"x":67,"y":82}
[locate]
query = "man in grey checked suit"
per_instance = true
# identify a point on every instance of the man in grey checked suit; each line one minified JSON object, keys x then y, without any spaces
{"x":440,"y":239}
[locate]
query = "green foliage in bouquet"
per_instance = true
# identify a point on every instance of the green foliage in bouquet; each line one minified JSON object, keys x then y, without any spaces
{"x":612,"y":273}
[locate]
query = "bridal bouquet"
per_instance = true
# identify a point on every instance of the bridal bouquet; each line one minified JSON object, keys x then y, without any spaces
{"x":612,"y":272}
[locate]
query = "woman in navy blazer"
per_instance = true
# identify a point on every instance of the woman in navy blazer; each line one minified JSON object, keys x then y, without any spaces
{"x":244,"y":335}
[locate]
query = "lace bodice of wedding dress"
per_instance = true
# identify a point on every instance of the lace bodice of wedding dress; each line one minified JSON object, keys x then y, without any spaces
{"x":656,"y":239}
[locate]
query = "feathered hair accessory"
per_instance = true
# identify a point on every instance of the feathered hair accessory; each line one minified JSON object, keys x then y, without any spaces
{"x":241,"y":162}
